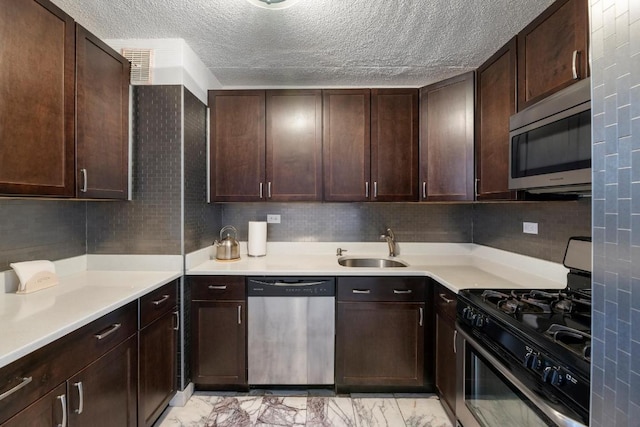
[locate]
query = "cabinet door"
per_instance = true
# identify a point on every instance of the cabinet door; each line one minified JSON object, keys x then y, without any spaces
{"x":49,"y":410}
{"x":102,"y":119}
{"x":347,"y":145}
{"x":157,"y":382}
{"x":104,"y":393}
{"x":237,"y":129}
{"x":294,"y":145}
{"x":394,"y":144}
{"x":380,"y":344}
{"x":446,"y":362}
{"x":37,"y":81}
{"x":446,"y":139}
{"x":496,"y":102}
{"x":219,"y":349}
{"x":552,"y":51}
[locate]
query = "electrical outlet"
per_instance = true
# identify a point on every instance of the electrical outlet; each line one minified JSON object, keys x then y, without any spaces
{"x":530,"y":227}
{"x":273,"y":219}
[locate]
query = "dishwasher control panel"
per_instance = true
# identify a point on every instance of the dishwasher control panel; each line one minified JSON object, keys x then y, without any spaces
{"x":291,"y":286}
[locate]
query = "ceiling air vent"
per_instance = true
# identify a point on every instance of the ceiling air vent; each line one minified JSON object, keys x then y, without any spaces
{"x":141,"y":63}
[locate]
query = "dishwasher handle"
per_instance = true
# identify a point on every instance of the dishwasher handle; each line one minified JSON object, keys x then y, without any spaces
{"x":280,"y":283}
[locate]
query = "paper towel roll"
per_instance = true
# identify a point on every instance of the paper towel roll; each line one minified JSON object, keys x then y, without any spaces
{"x":257,"y":243}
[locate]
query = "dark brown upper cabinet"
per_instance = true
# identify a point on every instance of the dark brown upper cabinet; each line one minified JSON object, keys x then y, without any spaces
{"x":266,"y":145}
{"x":102,"y":119}
{"x":294,"y":145}
{"x":553,"y":51}
{"x":370,"y":144}
{"x":37,"y":109}
{"x":394,"y":145}
{"x":446,"y":139}
{"x":495,"y":103}
{"x":237,"y":132}
{"x":346,"y":144}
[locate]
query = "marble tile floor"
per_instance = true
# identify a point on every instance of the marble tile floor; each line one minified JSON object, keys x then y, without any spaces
{"x":310,"y":409}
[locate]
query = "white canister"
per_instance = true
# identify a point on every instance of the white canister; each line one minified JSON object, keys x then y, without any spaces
{"x":257,"y":242}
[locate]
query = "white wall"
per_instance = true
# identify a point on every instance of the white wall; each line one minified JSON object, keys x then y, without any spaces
{"x":174,"y":62}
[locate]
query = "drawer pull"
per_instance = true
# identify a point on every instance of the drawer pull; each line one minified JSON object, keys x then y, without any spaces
{"x":177,"y":314}
{"x":218,"y":288}
{"x":574,"y":64}
{"x":421,"y":316}
{"x":78,"y":385}
{"x":25,"y":381}
{"x":108,"y":331}
{"x":239,"y":315}
{"x":402,"y":291}
{"x":63,"y":402}
{"x":444,"y":298}
{"x":361,"y":291}
{"x":455,"y":337}
{"x":83,"y":172}
{"x":161,"y":300}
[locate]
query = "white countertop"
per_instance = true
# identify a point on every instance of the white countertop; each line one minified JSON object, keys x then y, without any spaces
{"x":454,"y":265}
{"x":86,"y":292}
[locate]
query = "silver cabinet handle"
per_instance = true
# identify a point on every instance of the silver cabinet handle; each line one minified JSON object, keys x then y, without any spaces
{"x":421,"y":316}
{"x":477,"y":186}
{"x":375,"y":189}
{"x":455,"y":337}
{"x":424,"y":189}
{"x":25,"y":381}
{"x":80,"y":398}
{"x":177,"y":314}
{"x":83,"y":172}
{"x":63,"y":402}
{"x":261,"y":190}
{"x":445,"y":299}
{"x":269,"y":189}
{"x":109,"y":331}
{"x":217,"y":288}
{"x":361,"y":291}
{"x":366,"y":189}
{"x":161,"y":300}
{"x":574,"y":65}
{"x":239,"y":315}
{"x":402,"y":291}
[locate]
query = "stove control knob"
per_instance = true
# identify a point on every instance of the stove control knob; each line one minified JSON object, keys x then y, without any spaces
{"x":532,"y":360}
{"x":553,"y":376}
{"x":479,"y":321}
{"x":468,"y":314}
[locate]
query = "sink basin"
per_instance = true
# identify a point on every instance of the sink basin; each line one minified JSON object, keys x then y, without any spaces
{"x":371,"y":262}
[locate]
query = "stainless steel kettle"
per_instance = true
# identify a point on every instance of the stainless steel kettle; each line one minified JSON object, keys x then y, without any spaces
{"x":228,"y":247}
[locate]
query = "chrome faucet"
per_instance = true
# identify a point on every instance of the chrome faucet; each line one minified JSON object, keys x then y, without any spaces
{"x":391,"y":241}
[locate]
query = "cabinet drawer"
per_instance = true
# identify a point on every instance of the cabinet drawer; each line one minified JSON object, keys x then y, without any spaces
{"x":391,"y":289}
{"x":156,"y":303}
{"x":445,"y":302}
{"x":52,"y":364}
{"x":207,"y":288}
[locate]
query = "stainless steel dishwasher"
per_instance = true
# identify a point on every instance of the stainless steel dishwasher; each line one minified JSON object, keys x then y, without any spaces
{"x":291,"y":330}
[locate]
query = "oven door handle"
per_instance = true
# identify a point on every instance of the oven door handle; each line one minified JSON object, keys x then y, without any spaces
{"x":559,"y":418}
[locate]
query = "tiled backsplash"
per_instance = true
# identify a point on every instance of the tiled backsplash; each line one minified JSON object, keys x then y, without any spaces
{"x":353,"y":222}
{"x":41,"y":229}
{"x":499,"y":225}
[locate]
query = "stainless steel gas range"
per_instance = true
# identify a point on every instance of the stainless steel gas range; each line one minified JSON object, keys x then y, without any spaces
{"x":525,"y":355}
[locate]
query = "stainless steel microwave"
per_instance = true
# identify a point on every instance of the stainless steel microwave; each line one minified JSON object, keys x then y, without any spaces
{"x":550,"y":143}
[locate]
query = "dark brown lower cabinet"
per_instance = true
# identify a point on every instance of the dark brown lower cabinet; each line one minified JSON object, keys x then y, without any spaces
{"x":380,"y":344}
{"x":219,"y":338}
{"x":104,"y":393}
{"x":157,"y":382}
{"x":445,"y":308}
{"x":49,"y":410}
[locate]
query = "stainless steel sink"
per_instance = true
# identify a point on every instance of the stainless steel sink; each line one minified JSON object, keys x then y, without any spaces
{"x":371,"y":262}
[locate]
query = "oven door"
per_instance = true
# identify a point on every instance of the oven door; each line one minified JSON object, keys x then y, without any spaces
{"x":490,"y":394}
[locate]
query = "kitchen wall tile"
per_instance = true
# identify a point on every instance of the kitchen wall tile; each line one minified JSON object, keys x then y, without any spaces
{"x":499,"y":225}
{"x":352,"y":222}
{"x":150,"y":223}
{"x":616,"y":248}
{"x":41,"y":229}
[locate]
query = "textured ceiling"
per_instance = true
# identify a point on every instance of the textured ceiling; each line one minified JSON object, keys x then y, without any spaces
{"x":320,"y":43}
